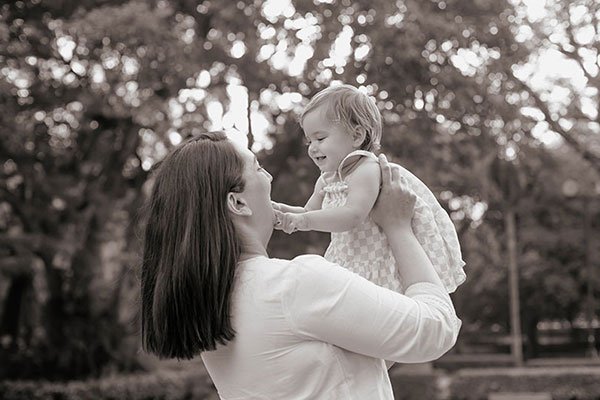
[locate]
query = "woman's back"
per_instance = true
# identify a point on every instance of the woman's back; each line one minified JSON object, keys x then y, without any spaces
{"x":310,"y":329}
{"x":271,"y":359}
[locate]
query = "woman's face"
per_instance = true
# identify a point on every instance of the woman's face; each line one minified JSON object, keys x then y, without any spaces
{"x":257,"y":187}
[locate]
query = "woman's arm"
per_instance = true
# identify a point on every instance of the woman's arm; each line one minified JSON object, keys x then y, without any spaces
{"x":363,"y":187}
{"x":393,"y":211}
{"x":329,"y":303}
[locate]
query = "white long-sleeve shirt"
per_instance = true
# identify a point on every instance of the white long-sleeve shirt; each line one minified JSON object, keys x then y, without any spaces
{"x":310,"y":329}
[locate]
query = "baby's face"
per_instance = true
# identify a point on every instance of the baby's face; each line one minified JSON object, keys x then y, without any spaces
{"x":328,"y":142}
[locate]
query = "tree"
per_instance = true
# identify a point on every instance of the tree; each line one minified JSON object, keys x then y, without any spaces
{"x":94,"y":93}
{"x":570,"y":29}
{"x":88,"y":108}
{"x":550,"y":248}
{"x":82,"y":95}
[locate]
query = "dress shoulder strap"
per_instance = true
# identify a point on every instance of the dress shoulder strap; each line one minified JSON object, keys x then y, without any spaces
{"x":355,"y":153}
{"x":329,"y":177}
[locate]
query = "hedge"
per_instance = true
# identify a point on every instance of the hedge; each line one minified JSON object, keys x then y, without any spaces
{"x":564,"y":383}
{"x":572,"y":383}
{"x":416,"y":386}
{"x":159,"y":385}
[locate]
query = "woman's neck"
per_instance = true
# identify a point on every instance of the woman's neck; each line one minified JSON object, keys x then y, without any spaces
{"x":247,"y":256}
{"x":253,"y":243}
{"x":252,"y":250}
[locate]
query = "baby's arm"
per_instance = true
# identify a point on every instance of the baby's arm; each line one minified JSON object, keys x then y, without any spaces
{"x":285,"y":208}
{"x":316,"y":200}
{"x":314,"y":203}
{"x":363,"y":189}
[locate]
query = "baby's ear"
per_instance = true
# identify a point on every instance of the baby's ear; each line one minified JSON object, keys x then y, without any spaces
{"x":360,"y":134}
{"x":237,"y":205}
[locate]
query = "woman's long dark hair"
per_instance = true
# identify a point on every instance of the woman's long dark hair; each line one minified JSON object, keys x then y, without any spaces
{"x":191,"y":249}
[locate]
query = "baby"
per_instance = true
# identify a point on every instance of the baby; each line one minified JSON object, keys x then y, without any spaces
{"x":343,"y":128}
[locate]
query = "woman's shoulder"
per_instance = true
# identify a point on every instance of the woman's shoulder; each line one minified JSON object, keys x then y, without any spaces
{"x":302,"y":269}
{"x":299,"y":263}
{"x":266,"y":265}
{"x":314,"y":283}
{"x":271,"y":277}
{"x":314,"y":270}
{"x":276,"y":266}
{"x":278,"y":278}
{"x":309,"y":260}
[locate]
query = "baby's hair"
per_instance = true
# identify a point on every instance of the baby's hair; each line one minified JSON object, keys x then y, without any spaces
{"x":352,"y":108}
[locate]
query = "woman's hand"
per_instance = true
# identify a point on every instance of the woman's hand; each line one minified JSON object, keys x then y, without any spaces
{"x":396,"y":202}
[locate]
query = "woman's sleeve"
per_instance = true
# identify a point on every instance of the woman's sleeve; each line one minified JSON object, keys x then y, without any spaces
{"x":328,"y":303}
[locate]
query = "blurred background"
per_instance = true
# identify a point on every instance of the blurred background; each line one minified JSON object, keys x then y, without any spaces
{"x":492,"y":103}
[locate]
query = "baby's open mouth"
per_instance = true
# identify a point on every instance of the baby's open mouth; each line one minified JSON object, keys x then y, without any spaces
{"x":320,"y":158}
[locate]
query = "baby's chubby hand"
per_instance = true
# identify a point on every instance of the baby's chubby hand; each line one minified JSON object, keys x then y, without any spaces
{"x":289,"y":222}
{"x":277,"y":218}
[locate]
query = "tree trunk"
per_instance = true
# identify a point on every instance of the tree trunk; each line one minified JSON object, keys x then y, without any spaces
{"x":82,"y":312}
{"x":513,"y":285}
{"x":531,"y":333}
{"x":13,"y":306}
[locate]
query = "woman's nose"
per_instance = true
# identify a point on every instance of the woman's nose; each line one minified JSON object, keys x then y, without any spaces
{"x":269,"y":175}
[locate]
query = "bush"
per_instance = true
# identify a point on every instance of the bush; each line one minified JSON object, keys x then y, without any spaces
{"x":416,"y":386}
{"x":576,"y":383}
{"x":161,"y":385}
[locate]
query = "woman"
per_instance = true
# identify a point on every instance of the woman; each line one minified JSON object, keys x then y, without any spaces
{"x":270,"y":328}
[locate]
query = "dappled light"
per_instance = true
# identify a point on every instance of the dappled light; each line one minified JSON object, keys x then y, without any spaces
{"x":494,"y":104}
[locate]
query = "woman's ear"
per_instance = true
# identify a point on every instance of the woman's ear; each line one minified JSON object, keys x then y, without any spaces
{"x":237,"y":205}
{"x":360,"y":134}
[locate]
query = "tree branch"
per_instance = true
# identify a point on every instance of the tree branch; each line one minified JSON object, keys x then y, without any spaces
{"x":32,"y":241}
{"x":595,"y":23}
{"x":573,"y":56}
{"x":16,"y":266}
{"x":592,"y":158}
{"x":595,"y":80}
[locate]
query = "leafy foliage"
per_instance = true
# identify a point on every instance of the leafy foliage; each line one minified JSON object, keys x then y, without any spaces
{"x":93,"y":93}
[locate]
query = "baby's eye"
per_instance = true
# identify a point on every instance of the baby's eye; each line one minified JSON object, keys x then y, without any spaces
{"x":320,"y":139}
